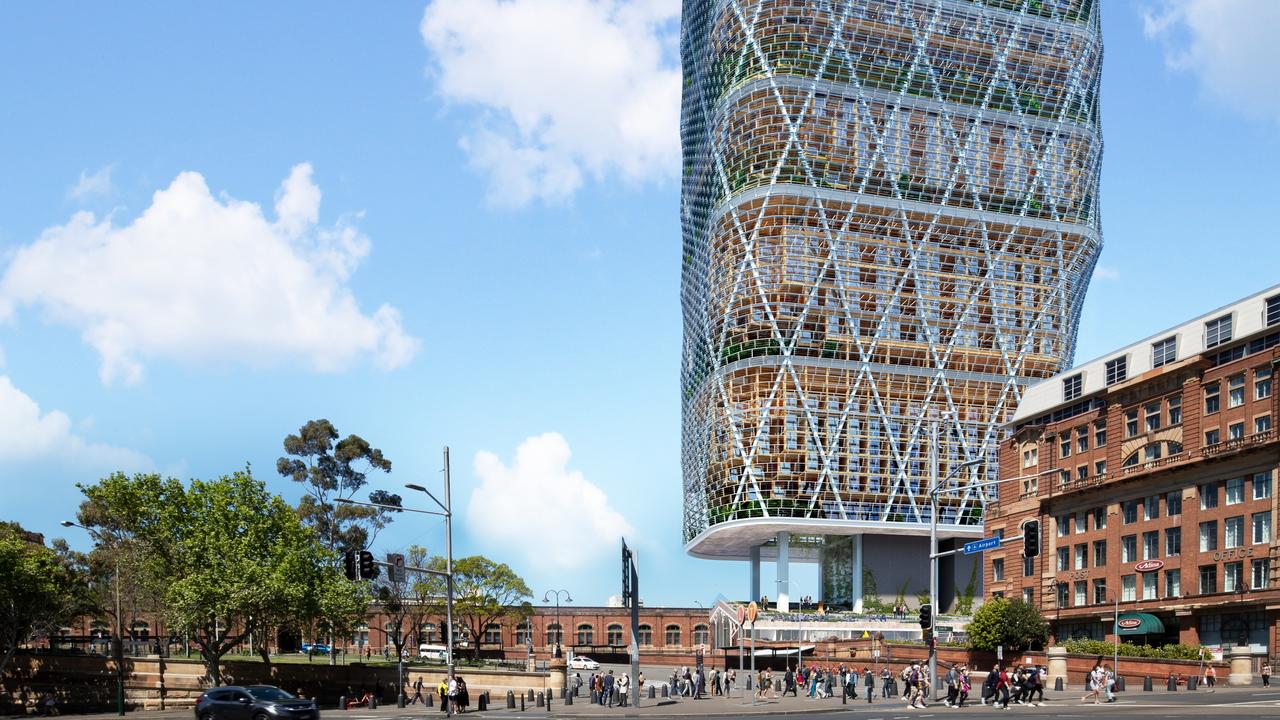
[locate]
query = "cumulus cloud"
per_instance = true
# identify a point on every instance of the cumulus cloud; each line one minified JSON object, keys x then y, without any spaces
{"x":28,"y":434}
{"x":1228,"y":44}
{"x":204,"y":279}
{"x":538,"y":507}
{"x":1106,"y":272}
{"x":90,"y":186}
{"x":564,"y":89}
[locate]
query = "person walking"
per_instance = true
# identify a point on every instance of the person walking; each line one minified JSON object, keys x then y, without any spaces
{"x":952,"y":679}
{"x":464,"y":698}
{"x":1266,"y":674}
{"x":1096,"y":679}
{"x":607,"y":689}
{"x":869,"y":681}
{"x":442,"y":690}
{"x":624,"y":685}
{"x":789,"y":682}
{"x":1211,"y":678}
{"x":963,"y":694}
{"x":1109,"y":683}
{"x":417,"y":691}
{"x":885,"y":677}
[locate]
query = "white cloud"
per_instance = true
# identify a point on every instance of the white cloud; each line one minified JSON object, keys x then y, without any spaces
{"x":28,"y":434}
{"x":1106,"y":272}
{"x":1229,"y":44}
{"x":564,"y":89}
{"x":96,"y":185}
{"x":539,"y":508}
{"x":205,"y":280}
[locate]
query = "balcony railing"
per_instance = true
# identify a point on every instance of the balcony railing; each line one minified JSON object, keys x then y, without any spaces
{"x":1239,"y":444}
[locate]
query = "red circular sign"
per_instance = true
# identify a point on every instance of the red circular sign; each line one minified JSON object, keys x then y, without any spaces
{"x":1130,"y":622}
{"x":1149,"y":565}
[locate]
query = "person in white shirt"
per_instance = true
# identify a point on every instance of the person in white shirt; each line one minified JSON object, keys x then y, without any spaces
{"x":624,"y":684}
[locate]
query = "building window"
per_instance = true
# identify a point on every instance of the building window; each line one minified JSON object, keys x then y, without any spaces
{"x":1064,"y":445}
{"x":1063,"y":560}
{"x":1208,"y":496}
{"x":1261,"y":424}
{"x":1153,"y":416}
{"x":1211,"y":398}
{"x":1262,"y":485}
{"x":1100,"y":518}
{"x":1151,"y":545}
{"x":1173,"y":503}
{"x":1209,"y":536}
{"x":1235,"y":390}
{"x":1082,"y":472}
{"x":1064,"y":525}
{"x":1131,"y":423}
{"x":1235,"y":491}
{"x":1172,"y":541}
{"x":1164,"y":351}
{"x":1099,"y":591}
{"x":1262,"y":527}
{"x":1235,"y":431}
{"x":1028,"y":566}
{"x":1217,"y":331}
{"x":1129,"y":549}
{"x":613,"y":635}
{"x":1128,"y":588}
{"x":1100,"y":433}
{"x":1149,"y":585}
{"x":1273,"y":311}
{"x":1030,"y":457}
{"x":1233,"y":532}
{"x":1212,"y":437}
{"x":1175,"y":410}
{"x":1130,"y":510}
{"x":1099,"y":553}
{"x":1028,"y":596}
{"x":1082,"y":521}
{"x":1072,"y":386}
{"x":1151,"y":508}
{"x":645,"y":633}
{"x":1061,"y":589}
{"x":1232,"y":576}
{"x":1082,"y":438}
{"x":1172,"y":583}
{"x":700,"y":635}
{"x":1262,"y":383}
{"x":586,"y":635}
{"x":673,"y":635}
{"x":555,"y":635}
{"x":1117,"y":370}
{"x":1261,"y":575}
{"x":493,"y":634}
{"x":1151,"y":452}
{"x":1208,"y":579}
{"x":1082,"y":593}
{"x":1100,"y":467}
{"x":997,"y":569}
{"x":524,"y":633}
{"x":1082,"y":556}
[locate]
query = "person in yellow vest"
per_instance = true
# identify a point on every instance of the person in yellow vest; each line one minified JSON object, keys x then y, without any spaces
{"x":443,"y":691}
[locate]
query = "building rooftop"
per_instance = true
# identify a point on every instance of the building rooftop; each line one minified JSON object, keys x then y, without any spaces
{"x":1244,"y":318}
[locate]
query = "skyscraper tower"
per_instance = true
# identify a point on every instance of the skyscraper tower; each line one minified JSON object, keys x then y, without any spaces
{"x":889,"y":214}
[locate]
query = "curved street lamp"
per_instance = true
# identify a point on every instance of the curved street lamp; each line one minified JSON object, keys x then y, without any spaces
{"x":546,"y":597}
{"x":119,"y":641}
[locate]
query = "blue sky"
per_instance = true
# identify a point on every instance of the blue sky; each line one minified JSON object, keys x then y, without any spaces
{"x":483,"y":195}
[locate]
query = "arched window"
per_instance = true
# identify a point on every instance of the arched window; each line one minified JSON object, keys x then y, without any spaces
{"x":524,"y":633}
{"x":615,"y":635}
{"x":427,"y":634}
{"x":555,"y":634}
{"x":673,"y":635}
{"x":646,"y":635}
{"x":493,"y":634}
{"x":701,"y":636}
{"x":586,"y":634}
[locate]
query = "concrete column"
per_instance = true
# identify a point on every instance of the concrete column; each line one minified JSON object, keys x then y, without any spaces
{"x":1241,"y":666}
{"x":1057,"y":666}
{"x":856,"y":561}
{"x":755,"y":573}
{"x":784,"y":570}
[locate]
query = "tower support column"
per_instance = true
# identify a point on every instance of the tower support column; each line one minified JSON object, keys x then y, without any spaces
{"x":755,"y":573}
{"x":784,"y":570}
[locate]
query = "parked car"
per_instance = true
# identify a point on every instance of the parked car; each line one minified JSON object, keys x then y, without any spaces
{"x":253,"y":702}
{"x":582,"y":662}
{"x":316,"y":649}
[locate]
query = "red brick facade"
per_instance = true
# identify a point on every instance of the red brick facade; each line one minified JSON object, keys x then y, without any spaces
{"x":1162,"y":487}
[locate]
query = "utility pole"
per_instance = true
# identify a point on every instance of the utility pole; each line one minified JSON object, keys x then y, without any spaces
{"x":933,"y":551}
{"x":448,"y":568}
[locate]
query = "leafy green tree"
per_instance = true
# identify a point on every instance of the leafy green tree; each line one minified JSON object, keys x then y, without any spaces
{"x":227,"y":557}
{"x":39,"y":589}
{"x":1014,"y":624}
{"x":484,"y":591}
{"x":330,"y":470}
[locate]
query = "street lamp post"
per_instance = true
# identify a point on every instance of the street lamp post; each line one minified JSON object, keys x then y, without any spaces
{"x":546,"y":597}
{"x":119,"y":641}
{"x":447,"y":507}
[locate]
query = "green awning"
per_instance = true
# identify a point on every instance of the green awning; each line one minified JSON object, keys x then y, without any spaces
{"x":1137,"y":623}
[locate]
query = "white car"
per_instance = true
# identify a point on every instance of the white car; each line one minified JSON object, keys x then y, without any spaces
{"x":582,"y":662}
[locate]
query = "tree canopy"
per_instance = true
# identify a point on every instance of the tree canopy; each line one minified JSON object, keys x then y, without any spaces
{"x":40,"y":589}
{"x":1013,"y":624}
{"x":484,"y":591}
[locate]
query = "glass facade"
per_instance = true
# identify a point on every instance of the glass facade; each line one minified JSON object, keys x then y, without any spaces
{"x":889,"y":208}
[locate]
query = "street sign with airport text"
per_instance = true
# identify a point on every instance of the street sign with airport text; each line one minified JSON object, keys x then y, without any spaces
{"x":978,"y":546}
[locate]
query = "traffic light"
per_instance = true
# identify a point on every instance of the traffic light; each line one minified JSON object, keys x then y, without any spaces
{"x":367,"y":569}
{"x":926,"y":617}
{"x":1031,"y":538}
{"x":352,"y":562}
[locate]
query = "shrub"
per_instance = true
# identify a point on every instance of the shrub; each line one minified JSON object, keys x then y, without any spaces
{"x":1085,"y":646}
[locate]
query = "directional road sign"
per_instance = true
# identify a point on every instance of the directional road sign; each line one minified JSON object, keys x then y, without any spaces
{"x":978,"y":546}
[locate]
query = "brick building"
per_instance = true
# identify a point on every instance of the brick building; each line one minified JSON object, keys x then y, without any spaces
{"x":1152,"y":471}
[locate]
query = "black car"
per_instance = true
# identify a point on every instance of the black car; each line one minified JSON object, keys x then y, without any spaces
{"x":254,"y":702}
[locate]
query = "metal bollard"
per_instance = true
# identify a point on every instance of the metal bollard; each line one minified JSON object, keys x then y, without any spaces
{"x":541,"y":702}
{"x":652,"y":692}
{"x":1057,"y":684}
{"x":511,"y":700}
{"x":1173,"y":684}
{"x":521,"y":703}
{"x":549,"y":696}
{"x":530,"y":694}
{"x":429,"y":701}
{"x":749,"y":679}
{"x":665,"y":691}
{"x":1192,"y":682}
{"x":373,"y":703}
{"x":1119,"y":683}
{"x":1146,"y":684}
{"x":568,"y":699}
{"x":563,"y":693}
{"x":483,"y":702}
{"x":342,"y":702}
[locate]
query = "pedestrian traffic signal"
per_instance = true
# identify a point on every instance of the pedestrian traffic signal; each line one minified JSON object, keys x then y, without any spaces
{"x":367,"y":569}
{"x":1031,"y":538}
{"x":926,"y":617}
{"x":352,"y":562}
{"x":395,"y":567}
